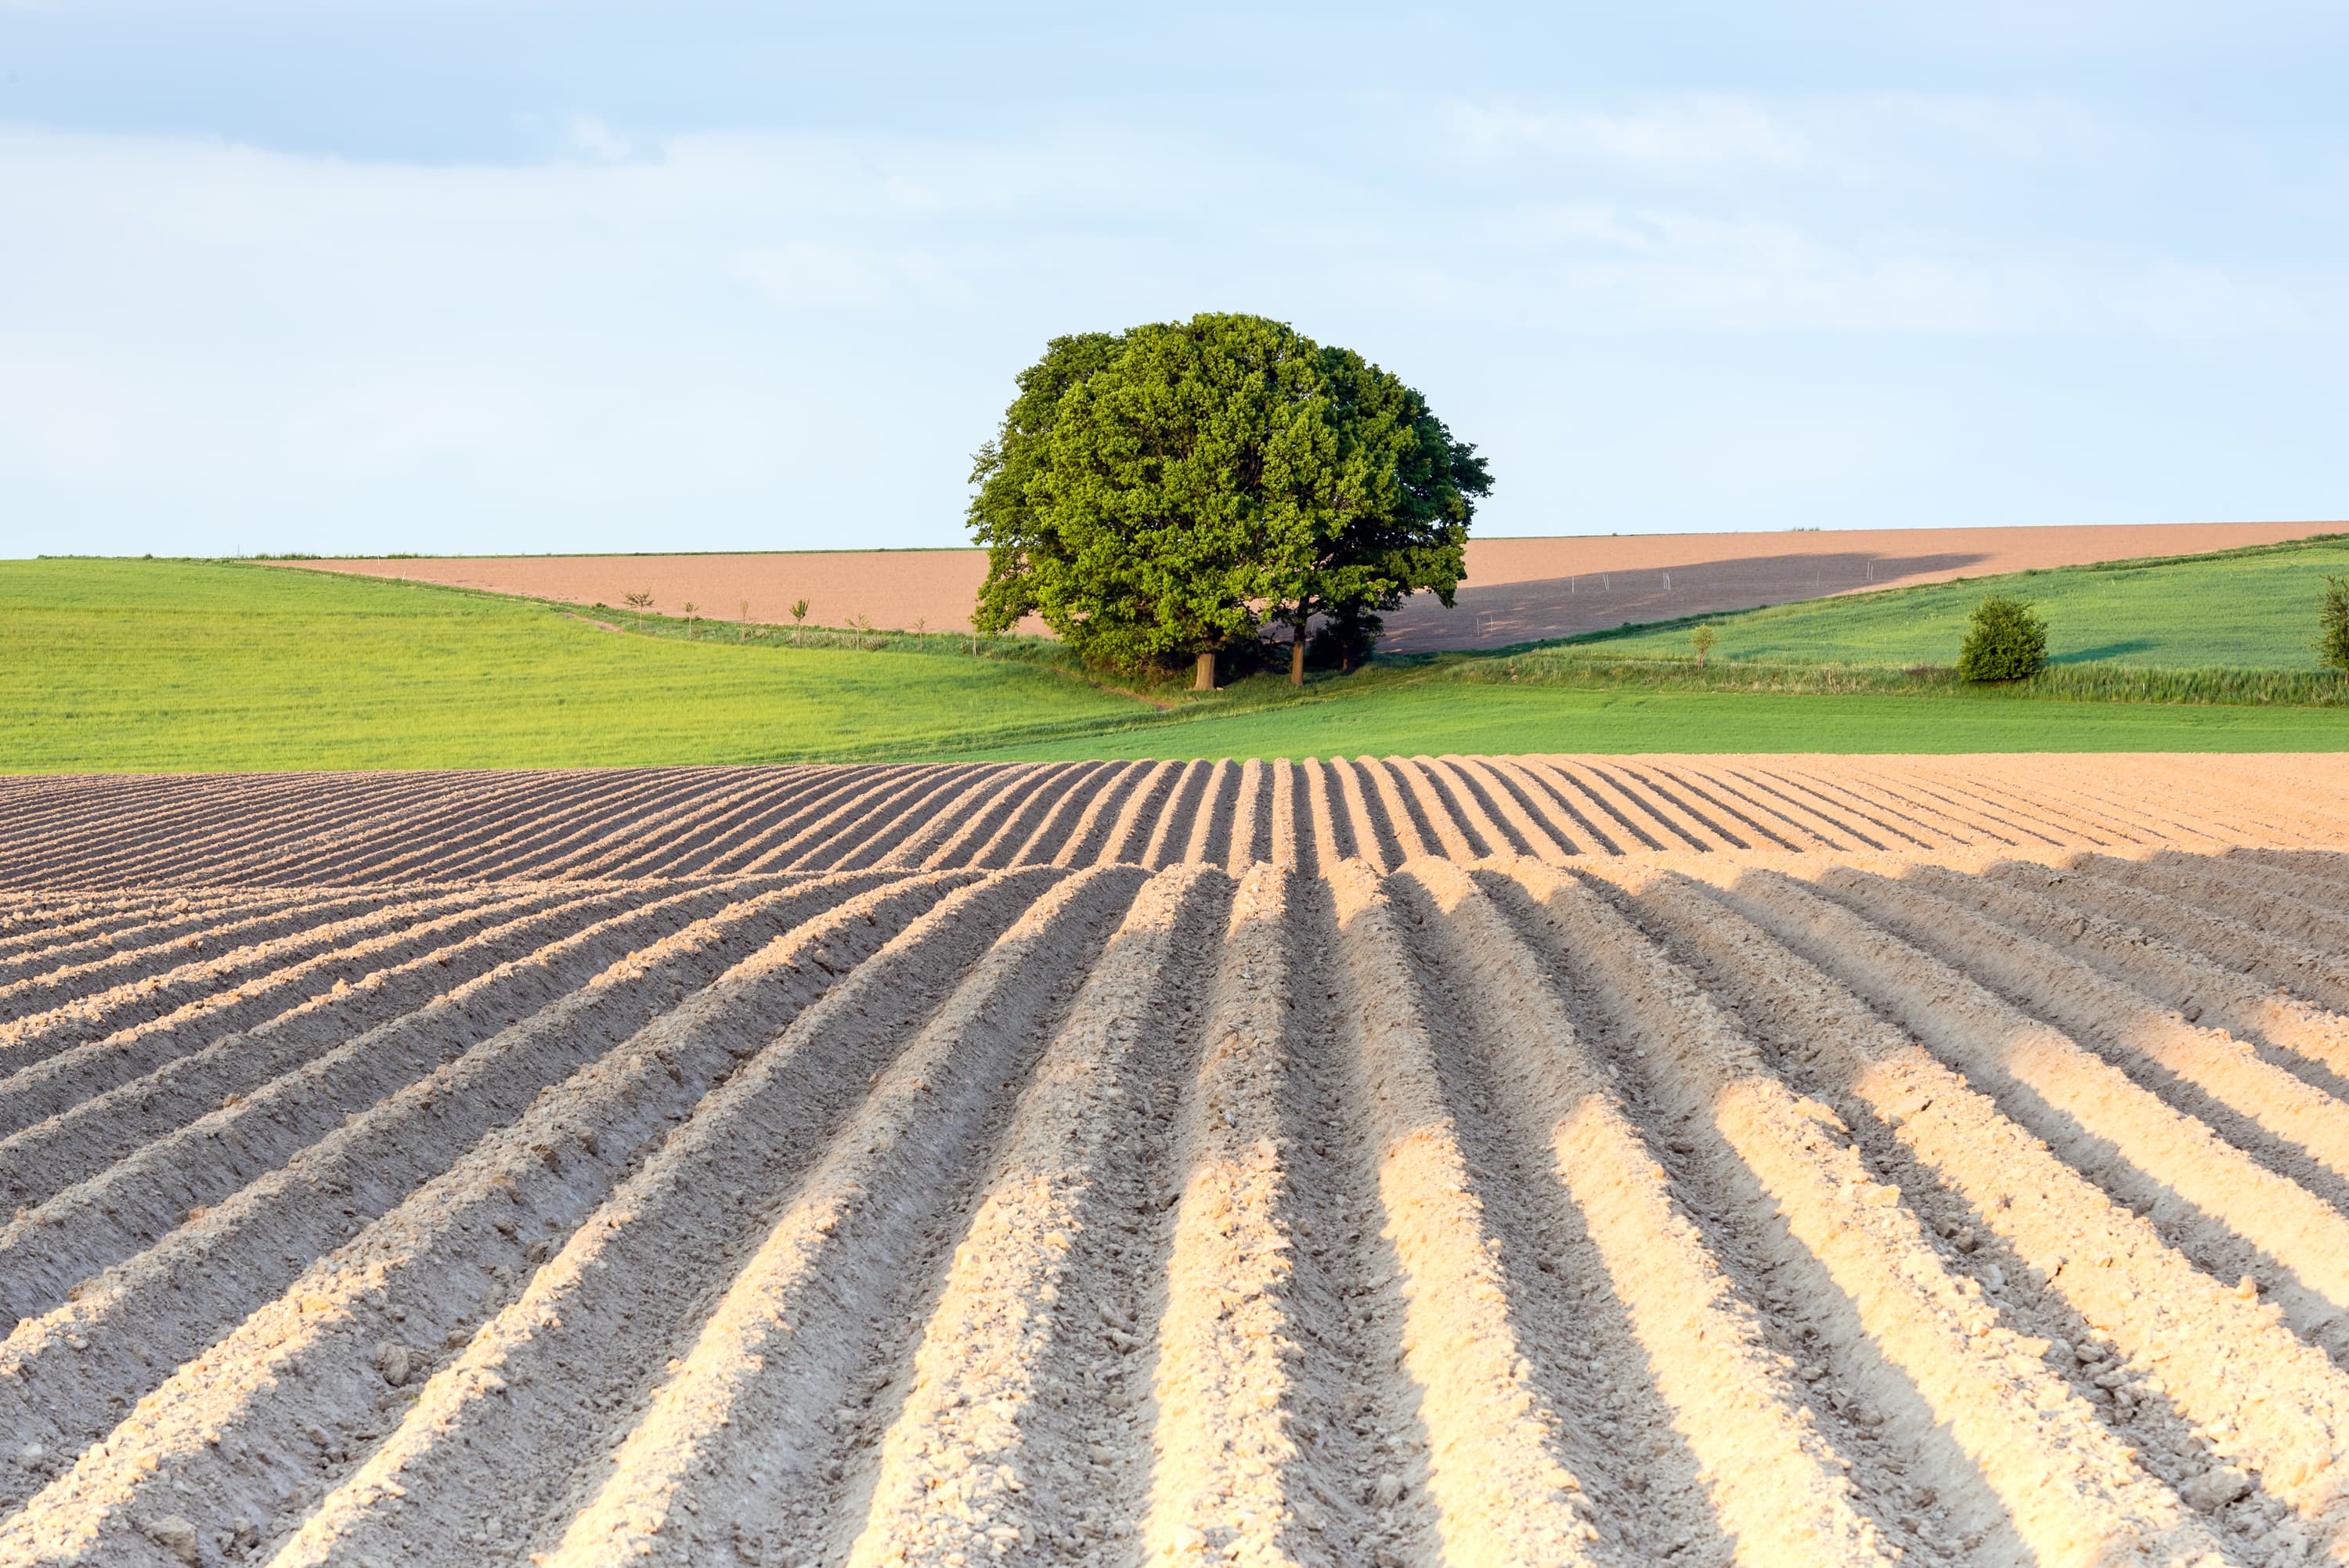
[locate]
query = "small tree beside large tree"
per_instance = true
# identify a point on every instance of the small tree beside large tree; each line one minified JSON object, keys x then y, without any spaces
{"x":1161,"y":495}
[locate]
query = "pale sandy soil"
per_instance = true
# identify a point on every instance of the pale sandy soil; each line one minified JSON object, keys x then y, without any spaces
{"x":1519,"y":589}
{"x":1777,"y":1160}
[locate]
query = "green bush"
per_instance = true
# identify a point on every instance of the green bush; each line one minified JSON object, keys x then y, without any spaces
{"x":2006,"y":641}
{"x":2333,"y":624}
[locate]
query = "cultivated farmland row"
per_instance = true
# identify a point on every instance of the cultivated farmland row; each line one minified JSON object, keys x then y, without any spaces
{"x":1470,"y":1160}
{"x":223,"y":832}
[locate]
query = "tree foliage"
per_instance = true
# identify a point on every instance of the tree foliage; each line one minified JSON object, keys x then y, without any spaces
{"x":2333,"y":624}
{"x":1164,"y":493}
{"x":2005,"y":641}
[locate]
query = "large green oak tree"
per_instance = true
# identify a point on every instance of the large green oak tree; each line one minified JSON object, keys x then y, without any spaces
{"x":1160,"y":495}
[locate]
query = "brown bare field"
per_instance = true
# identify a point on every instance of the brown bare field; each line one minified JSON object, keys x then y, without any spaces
{"x":1519,"y":589}
{"x":1779,"y":1160}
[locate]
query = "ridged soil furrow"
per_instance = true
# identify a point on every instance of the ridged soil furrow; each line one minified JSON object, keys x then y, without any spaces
{"x":1673,"y":827}
{"x":1970,"y":1400}
{"x":1371,"y":830}
{"x":31,"y":922}
{"x":1467,"y":803}
{"x":1257,"y":1457}
{"x":1391,"y":800}
{"x":2246,"y":947}
{"x":746,"y":836}
{"x":2219,"y":814}
{"x":1172,"y":829}
{"x":2201,"y":818}
{"x":1027,"y":1373}
{"x":614,"y":807}
{"x":900,"y":811}
{"x":38,"y":804}
{"x":2277,"y":901}
{"x":229,"y":1433}
{"x":811,"y":816}
{"x":667,"y":844}
{"x":956,"y":814}
{"x":1331,"y":823}
{"x":1007,"y":789}
{"x":1536,"y":806}
{"x":2212,"y":1199}
{"x":94,"y":986}
{"x":1129,"y":834}
{"x":2292,"y":1125}
{"x":762,"y":1432}
{"x":323,"y":827}
{"x":815,"y":832}
{"x":2176,"y":805}
{"x":2207,"y":979}
{"x":2326,"y":865}
{"x":254,"y":819}
{"x":65,"y":1078}
{"x":577,"y":992}
{"x":1673,"y":798}
{"x":2053,"y":793}
{"x":1994,"y":817}
{"x":1252,"y":838}
{"x":200,"y":809}
{"x":993,"y":849}
{"x":1286,"y":812}
{"x":1035,"y":823}
{"x":585,"y":832}
{"x":441,"y":829}
{"x":907,"y":812}
{"x":1494,"y":1469}
{"x":552,"y":1384}
{"x":74,"y":944}
{"x":193,"y":1003}
{"x":1085,"y":842}
{"x":74,"y":1145}
{"x":2200,"y":1376}
{"x":1837,"y":791}
{"x":95,"y":851}
{"x":1208,"y":843}
{"x":298,"y":1173}
{"x":1590,"y":806}
{"x":763,"y":797}
{"x":1681,"y":1420}
{"x":1440,"y":818}
{"x":1496,"y":814}
{"x":2042,"y":800}
{"x":1802,"y":824}
{"x":540,"y":829}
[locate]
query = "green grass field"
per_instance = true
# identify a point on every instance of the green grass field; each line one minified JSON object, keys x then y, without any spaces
{"x":1414,"y":716}
{"x":157,"y":665}
{"x":150,"y":666}
{"x":2241,"y":609}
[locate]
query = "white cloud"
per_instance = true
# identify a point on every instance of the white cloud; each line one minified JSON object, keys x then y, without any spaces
{"x":593,"y":137}
{"x":772,"y":338}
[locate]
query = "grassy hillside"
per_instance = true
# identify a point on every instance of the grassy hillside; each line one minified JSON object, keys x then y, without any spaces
{"x":2238,"y":609}
{"x":169,"y":664}
{"x":160,"y":666}
{"x":1426,"y":717}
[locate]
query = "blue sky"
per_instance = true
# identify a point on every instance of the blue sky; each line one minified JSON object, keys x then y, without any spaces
{"x":354,"y":277}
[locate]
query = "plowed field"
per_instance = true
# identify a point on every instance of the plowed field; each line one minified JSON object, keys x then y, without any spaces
{"x":1470,"y":1161}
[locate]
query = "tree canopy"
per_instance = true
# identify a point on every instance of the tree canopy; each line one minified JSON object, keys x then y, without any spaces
{"x":1166,"y":493}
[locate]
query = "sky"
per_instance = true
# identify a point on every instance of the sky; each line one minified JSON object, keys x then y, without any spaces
{"x":352,"y":276}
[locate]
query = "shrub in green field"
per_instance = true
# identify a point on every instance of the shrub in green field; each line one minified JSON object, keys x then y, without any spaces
{"x":2333,"y":624}
{"x":2006,"y":641}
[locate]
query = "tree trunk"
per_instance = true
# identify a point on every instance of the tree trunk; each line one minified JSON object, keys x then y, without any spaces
{"x":1297,"y":657}
{"x":1207,"y":677}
